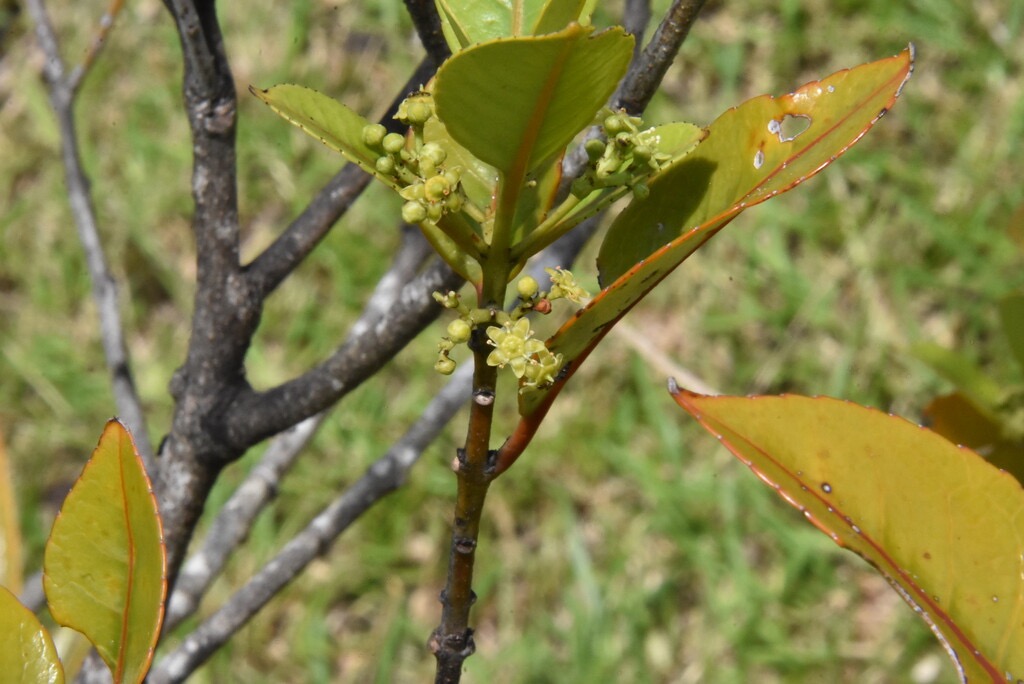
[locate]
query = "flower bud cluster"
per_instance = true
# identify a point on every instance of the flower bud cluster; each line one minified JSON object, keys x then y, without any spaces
{"x":431,"y":189}
{"x":563,"y":286}
{"x":461,"y":329}
{"x":625,"y":158}
{"x":431,"y":198}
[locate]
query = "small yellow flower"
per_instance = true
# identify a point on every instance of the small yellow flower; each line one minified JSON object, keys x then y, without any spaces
{"x":513,"y":346}
{"x":542,"y":372}
{"x":563,"y":284}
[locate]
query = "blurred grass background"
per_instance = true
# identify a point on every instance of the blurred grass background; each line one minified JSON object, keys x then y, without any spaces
{"x":626,"y":546}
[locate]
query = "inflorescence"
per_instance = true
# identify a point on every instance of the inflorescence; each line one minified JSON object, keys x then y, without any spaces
{"x":431,"y":189}
{"x":509,"y":333}
{"x":626,"y":157}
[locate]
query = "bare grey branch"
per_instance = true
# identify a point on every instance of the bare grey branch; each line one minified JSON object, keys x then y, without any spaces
{"x":62,"y":89}
{"x":645,"y":73}
{"x":428,"y":26}
{"x":384,"y":476}
{"x":234,"y":521}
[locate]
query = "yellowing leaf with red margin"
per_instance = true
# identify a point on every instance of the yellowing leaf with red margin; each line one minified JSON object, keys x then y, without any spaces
{"x":10,"y":532}
{"x":104,"y":565}
{"x":27,"y":654}
{"x":764,"y":147}
{"x":945,"y":527}
{"x":958,"y":419}
{"x":748,"y":157}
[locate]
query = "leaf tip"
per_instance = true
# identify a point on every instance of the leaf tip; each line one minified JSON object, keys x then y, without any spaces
{"x":911,"y":53}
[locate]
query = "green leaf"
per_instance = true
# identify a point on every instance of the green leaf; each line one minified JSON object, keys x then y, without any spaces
{"x":535,"y":199}
{"x":465,"y":22}
{"x":27,"y":654}
{"x":943,"y":526}
{"x":555,"y":15}
{"x":454,"y":255}
{"x":984,"y":392}
{"x":706,"y":172}
{"x":1011,"y":315}
{"x":676,"y":139}
{"x":104,"y":565}
{"x":517,"y":118}
{"x":327,"y":120}
{"x":751,"y":155}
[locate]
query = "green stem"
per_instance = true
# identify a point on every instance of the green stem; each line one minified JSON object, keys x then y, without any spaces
{"x":508,"y":194}
{"x":569,"y":214}
{"x":452,"y":641}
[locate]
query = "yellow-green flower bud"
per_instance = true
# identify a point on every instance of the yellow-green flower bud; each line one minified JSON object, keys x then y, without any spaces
{"x":418,"y":112}
{"x":435,"y":210}
{"x":385,"y":165}
{"x":459,"y":331}
{"x":373,"y":135}
{"x":413,"y":212}
{"x":640,"y":190}
{"x":426,"y":167}
{"x":454,"y":202}
{"x":393,"y":143}
{"x":594,"y":148}
{"x":453,"y":175}
{"x":444,"y":365}
{"x":434,"y":153}
{"x":436,"y":188}
{"x":615,"y":123}
{"x":527,"y":287}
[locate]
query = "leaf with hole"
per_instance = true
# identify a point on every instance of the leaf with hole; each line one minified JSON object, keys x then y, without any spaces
{"x":702,"y":191}
{"x":764,"y":147}
{"x":944,"y":527}
{"x":104,"y":564}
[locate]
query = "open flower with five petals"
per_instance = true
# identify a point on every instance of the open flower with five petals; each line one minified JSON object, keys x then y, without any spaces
{"x":513,"y":346}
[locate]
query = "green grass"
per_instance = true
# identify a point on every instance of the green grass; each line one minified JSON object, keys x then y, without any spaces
{"x":625,"y":546}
